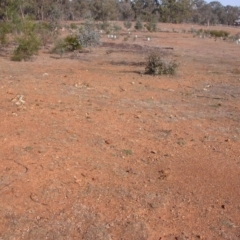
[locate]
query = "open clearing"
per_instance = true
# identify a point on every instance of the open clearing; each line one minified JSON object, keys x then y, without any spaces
{"x":93,"y":149}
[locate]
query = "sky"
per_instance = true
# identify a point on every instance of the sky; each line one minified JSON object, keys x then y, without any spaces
{"x":227,"y":2}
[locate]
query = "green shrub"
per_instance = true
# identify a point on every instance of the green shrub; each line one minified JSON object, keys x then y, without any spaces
{"x":28,"y":45}
{"x":216,"y":33}
{"x":68,"y":44}
{"x":5,"y":28}
{"x":103,"y":26}
{"x":127,"y":24}
{"x":152,"y":26}
{"x":45,"y":33}
{"x":88,"y":36}
{"x":156,"y":65}
{"x":72,"y":43}
{"x":116,"y":28}
{"x":138,"y":25}
{"x":73,"y":26}
{"x":59,"y":47}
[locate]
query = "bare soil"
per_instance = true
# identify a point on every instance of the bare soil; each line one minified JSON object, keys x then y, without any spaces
{"x":92,"y":148}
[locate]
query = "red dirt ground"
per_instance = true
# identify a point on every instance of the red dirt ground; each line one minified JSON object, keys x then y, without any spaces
{"x":91,"y":148}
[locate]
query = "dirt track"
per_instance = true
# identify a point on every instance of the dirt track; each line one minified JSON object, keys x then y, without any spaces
{"x":93,"y":149}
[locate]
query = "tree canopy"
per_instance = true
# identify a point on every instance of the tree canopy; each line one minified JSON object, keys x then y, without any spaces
{"x":173,"y":11}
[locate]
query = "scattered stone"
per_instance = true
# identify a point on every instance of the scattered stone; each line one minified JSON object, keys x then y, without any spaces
{"x":18,"y":100}
{"x":108,"y":141}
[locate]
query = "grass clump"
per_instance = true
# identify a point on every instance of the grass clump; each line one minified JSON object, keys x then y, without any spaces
{"x":157,"y":65}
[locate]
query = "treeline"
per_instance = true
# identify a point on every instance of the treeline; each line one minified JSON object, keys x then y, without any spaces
{"x":172,"y":11}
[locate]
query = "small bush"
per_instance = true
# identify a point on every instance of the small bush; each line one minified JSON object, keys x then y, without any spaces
{"x":156,"y":65}
{"x":59,"y":47}
{"x":73,"y":26}
{"x":28,"y":45}
{"x":5,"y":28}
{"x":103,"y":26}
{"x":138,"y":25}
{"x":72,"y":43}
{"x":116,"y":28}
{"x":68,"y":44}
{"x":152,"y":26}
{"x":221,"y":33}
{"x":45,"y":33}
{"x":88,"y":36}
{"x":127,"y":24}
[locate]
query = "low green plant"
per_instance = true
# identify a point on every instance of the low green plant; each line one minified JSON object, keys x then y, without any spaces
{"x":5,"y":29}
{"x":138,"y":24}
{"x":157,"y":65}
{"x":72,"y":43}
{"x":88,"y":36}
{"x":45,"y":33}
{"x":116,"y":28}
{"x":28,"y":45}
{"x":105,"y":25}
{"x":218,"y":33}
{"x":127,"y":152}
{"x":152,"y":26}
{"x":127,"y":24}
{"x":59,"y":47}
{"x":73,"y":26}
{"x":68,"y":44}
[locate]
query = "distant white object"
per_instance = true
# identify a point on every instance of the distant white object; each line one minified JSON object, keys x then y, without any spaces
{"x":45,"y":74}
{"x":111,"y":36}
{"x":108,"y":36}
{"x":129,"y":33}
{"x":148,"y":39}
{"x":114,"y":36}
{"x":101,"y":31}
{"x":237,"y":42}
{"x":136,"y":36}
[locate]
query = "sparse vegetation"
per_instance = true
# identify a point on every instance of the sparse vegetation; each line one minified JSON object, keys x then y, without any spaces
{"x":88,"y":36}
{"x":28,"y":45}
{"x":73,"y":26}
{"x":210,"y":33}
{"x":157,"y":65}
{"x":127,"y":152}
{"x":138,"y":25}
{"x":116,"y":28}
{"x":5,"y":29}
{"x":127,"y":24}
{"x":68,"y":44}
{"x":152,"y":25}
{"x":105,"y":25}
